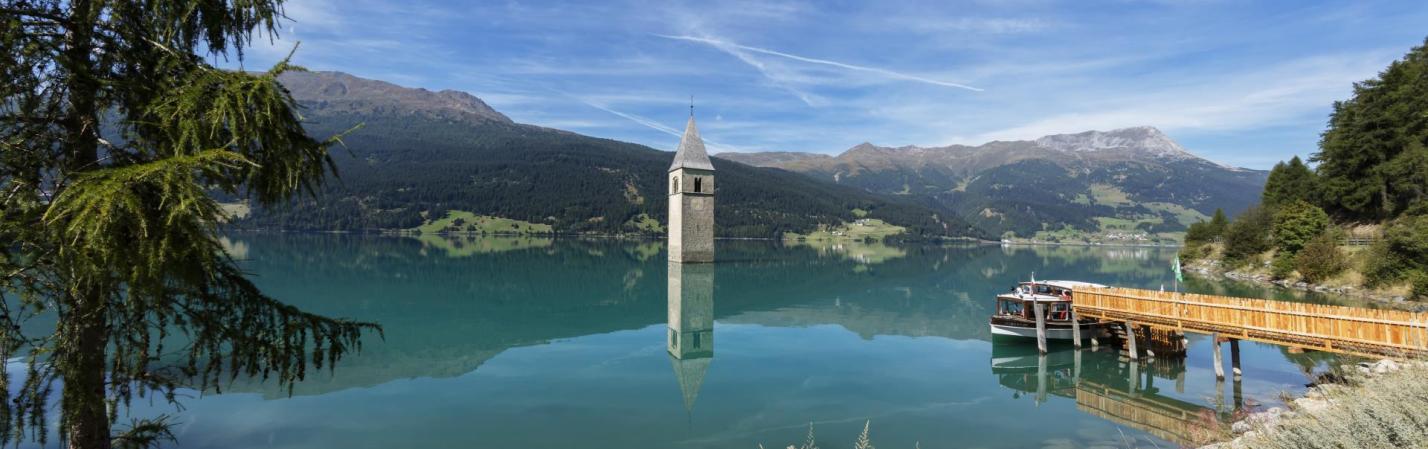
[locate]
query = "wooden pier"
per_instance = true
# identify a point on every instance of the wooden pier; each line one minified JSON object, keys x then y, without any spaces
{"x":1339,"y":329}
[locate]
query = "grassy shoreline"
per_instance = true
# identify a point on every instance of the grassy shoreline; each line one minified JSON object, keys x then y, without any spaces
{"x":1348,"y":282}
{"x":1376,"y":405}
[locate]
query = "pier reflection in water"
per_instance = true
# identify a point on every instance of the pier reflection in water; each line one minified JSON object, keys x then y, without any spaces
{"x":1110,"y":386}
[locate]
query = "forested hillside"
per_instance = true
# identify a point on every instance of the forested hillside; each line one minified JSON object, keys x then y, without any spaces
{"x":1369,"y":185}
{"x":419,"y":154}
{"x":1112,"y":183}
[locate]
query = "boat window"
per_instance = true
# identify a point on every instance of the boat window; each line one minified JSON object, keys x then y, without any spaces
{"x":1060,"y":311}
{"x":1043,"y":289}
{"x":1012,"y":308}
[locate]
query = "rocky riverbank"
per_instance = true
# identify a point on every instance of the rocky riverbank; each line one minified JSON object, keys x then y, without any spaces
{"x":1371,"y":404}
{"x":1214,"y":268}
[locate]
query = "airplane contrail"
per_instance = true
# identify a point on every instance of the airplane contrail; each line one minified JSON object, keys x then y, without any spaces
{"x":635,"y":118}
{"x":884,"y":72}
{"x":652,"y":124}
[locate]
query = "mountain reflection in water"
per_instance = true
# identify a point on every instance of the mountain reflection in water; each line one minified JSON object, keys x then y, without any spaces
{"x":535,"y":342}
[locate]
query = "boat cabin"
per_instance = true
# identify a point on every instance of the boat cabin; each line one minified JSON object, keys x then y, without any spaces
{"x":1057,"y":309}
{"x":1016,"y":310}
{"x":1056,"y":295}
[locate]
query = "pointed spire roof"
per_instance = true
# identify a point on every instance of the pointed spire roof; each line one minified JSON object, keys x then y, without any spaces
{"x":691,"y":152}
{"x":690,"y":374}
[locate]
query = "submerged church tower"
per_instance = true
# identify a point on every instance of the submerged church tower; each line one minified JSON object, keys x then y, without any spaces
{"x":690,"y":339}
{"x":691,"y":200}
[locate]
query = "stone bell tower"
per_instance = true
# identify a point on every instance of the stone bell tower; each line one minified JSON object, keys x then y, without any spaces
{"x":690,"y":339}
{"x":691,"y":200}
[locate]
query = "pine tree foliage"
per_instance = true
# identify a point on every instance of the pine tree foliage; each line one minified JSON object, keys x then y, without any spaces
{"x":1295,"y":224}
{"x":116,"y":238}
{"x":1248,"y":235}
{"x":1373,"y":158}
{"x":1218,"y":223}
{"x":1290,"y":182}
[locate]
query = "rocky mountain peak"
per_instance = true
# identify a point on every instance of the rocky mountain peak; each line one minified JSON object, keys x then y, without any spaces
{"x":865,"y":146}
{"x":1144,"y":139}
{"x":341,"y":92}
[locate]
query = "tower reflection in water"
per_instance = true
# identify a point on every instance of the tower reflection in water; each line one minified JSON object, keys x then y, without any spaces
{"x":1111,"y":387}
{"x":690,"y":336}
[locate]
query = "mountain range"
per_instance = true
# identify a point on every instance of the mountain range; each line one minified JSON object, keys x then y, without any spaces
{"x":419,"y":155}
{"x":1126,"y":180}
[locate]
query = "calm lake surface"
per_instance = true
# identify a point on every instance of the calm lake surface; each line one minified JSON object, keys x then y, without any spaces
{"x":563,"y":343}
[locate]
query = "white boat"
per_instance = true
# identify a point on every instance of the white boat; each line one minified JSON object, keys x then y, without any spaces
{"x":1015,"y":316}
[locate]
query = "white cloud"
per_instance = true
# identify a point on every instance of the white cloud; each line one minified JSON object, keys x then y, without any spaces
{"x":312,"y":14}
{"x":1256,"y":98}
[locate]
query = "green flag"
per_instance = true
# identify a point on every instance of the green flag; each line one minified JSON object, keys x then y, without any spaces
{"x":1179,"y":276}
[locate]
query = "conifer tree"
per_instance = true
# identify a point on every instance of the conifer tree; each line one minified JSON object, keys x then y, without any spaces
{"x":114,"y":129}
{"x":1373,"y":158}
{"x":1290,"y":182}
{"x":1218,"y":223}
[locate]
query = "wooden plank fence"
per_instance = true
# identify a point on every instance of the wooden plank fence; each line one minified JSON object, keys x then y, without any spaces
{"x":1351,"y":330}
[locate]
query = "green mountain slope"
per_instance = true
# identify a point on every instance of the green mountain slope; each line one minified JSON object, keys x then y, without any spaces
{"x":1113,"y":183}
{"x":420,"y":154}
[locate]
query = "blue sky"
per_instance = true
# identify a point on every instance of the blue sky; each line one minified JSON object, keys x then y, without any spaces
{"x":1240,"y":82}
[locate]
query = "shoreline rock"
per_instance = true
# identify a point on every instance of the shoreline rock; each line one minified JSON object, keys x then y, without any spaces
{"x":1314,"y":401}
{"x":1214,"y":268}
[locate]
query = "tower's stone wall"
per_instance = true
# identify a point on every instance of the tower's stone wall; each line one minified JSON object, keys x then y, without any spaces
{"x":691,"y":216}
{"x":691,"y":310}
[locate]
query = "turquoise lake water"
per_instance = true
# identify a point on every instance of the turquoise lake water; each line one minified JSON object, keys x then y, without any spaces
{"x":564,"y":343}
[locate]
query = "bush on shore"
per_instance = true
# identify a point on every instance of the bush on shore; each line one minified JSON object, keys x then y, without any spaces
{"x":1247,"y":236}
{"x":1320,"y":259}
{"x":1296,"y":223}
{"x":1282,"y":265}
{"x":1402,"y":255}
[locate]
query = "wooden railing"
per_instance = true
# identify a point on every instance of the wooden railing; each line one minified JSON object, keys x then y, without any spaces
{"x":1324,"y":327}
{"x":1358,"y":241}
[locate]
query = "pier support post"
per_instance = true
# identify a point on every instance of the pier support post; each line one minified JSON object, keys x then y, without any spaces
{"x":1220,"y":407}
{"x":1040,"y":379}
{"x":1130,"y":341}
{"x":1040,"y":327}
{"x":1134,"y":377}
{"x":1219,"y":359}
{"x":1239,"y":393}
{"x":1075,"y":329}
{"x":1235,"y":358}
{"x":1180,"y":375}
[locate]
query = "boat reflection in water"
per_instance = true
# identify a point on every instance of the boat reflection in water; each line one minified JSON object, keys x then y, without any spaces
{"x":1110,"y":387}
{"x":690,"y":334}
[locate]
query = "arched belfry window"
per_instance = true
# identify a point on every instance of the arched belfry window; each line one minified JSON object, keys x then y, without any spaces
{"x":699,"y":185}
{"x":674,"y":185}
